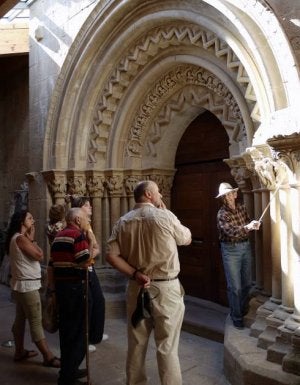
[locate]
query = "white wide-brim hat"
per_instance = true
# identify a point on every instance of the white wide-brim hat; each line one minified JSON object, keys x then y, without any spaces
{"x":225,"y":188}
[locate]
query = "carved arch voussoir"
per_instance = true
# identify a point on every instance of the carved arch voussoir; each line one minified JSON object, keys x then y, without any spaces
{"x":137,"y":57}
{"x":185,"y":85}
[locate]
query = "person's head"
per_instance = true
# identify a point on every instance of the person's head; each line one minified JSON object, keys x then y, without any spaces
{"x":77,"y":217}
{"x":19,"y":223}
{"x":147,"y":191}
{"x":57,"y":213}
{"x":227,"y":193}
{"x":82,"y":202}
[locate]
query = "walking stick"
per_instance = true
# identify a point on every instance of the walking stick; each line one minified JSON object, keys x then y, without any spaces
{"x":268,"y":205}
{"x":87,"y":357}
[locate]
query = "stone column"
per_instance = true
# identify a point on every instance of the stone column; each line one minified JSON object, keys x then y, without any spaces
{"x":268,"y":237}
{"x":258,"y":242}
{"x":274,"y":320}
{"x":131,"y":181}
{"x":266,"y":230}
{"x":95,"y":189}
{"x":266,"y":308}
{"x":285,"y":168}
{"x":115,"y":188}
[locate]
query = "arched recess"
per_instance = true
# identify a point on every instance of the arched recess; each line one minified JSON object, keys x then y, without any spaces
{"x":125,"y":52}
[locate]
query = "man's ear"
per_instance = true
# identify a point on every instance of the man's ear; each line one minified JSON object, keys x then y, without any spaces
{"x":148,"y":194}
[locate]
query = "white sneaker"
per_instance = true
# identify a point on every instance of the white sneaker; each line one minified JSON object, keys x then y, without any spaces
{"x":92,"y":348}
{"x":105,"y":337}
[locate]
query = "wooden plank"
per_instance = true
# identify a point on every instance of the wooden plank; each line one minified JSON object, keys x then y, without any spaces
{"x":14,"y":39}
{"x":7,"y":5}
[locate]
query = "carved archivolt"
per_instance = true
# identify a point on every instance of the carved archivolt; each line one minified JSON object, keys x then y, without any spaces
{"x":139,"y":55}
{"x":218,"y":100}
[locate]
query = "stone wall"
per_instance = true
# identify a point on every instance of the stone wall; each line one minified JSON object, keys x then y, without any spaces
{"x":14,"y":123}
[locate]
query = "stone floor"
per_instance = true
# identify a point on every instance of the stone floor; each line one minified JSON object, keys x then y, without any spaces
{"x":201,"y":358}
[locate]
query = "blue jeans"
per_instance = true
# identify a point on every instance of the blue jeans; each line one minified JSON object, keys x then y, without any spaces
{"x":237,"y":266}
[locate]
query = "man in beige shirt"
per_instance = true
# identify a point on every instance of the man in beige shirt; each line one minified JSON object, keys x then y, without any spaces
{"x":143,"y":246}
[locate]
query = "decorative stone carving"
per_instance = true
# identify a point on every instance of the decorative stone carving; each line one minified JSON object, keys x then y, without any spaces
{"x":95,"y":184}
{"x":271,"y":172}
{"x":138,"y":57}
{"x":164,"y":183}
{"x":114,"y":185}
{"x":287,"y":151}
{"x":223,"y":103}
{"x":57,"y":184}
{"x":76,"y":183}
{"x":240,"y":172}
{"x":130,"y":183}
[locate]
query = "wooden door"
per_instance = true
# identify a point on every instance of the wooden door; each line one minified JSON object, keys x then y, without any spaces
{"x":200,"y":170}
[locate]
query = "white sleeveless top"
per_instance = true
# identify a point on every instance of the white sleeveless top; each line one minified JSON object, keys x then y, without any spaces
{"x":26,"y":272}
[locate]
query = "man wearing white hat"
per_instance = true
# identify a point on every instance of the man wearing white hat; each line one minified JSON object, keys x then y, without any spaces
{"x":234,"y":226}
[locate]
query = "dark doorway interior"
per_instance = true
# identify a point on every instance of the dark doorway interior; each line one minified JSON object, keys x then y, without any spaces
{"x":200,"y":170}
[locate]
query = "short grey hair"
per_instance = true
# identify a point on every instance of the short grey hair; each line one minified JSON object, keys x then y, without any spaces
{"x":140,"y":189}
{"x":73,"y":213}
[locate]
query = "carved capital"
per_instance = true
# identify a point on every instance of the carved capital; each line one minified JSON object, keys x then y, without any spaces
{"x":76,"y":182}
{"x":114,"y":184}
{"x":163,"y":179}
{"x":130,"y":182}
{"x":240,"y":172}
{"x":269,"y":169}
{"x":56,"y":182}
{"x":95,"y":184}
{"x":287,"y":153}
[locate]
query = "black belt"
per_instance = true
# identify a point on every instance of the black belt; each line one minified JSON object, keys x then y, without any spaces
{"x":164,"y":279}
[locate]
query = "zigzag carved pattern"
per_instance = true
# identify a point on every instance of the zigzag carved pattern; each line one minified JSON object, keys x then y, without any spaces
{"x":139,"y":56}
{"x":194,"y":97}
{"x":204,"y":89}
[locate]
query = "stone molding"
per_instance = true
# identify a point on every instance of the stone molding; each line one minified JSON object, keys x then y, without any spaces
{"x":144,"y":51}
{"x":182,"y":85}
{"x":116,"y":183}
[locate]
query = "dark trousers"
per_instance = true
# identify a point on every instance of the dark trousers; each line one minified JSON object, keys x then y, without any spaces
{"x":72,"y":328}
{"x":96,"y":309}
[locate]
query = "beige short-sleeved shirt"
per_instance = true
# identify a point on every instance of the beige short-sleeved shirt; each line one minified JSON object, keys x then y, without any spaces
{"x":147,"y":238}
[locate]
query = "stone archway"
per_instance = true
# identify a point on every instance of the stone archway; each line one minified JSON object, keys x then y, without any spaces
{"x":90,"y":95}
{"x":137,"y":75}
{"x":117,"y":107}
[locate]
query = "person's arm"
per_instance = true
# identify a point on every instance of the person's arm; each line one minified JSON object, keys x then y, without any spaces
{"x":182,"y":234}
{"x":95,"y":248}
{"x":124,"y":267}
{"x":29,"y":247}
{"x":83,"y":250}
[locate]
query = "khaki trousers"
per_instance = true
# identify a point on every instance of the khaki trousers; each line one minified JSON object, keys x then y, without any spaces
{"x":166,"y":322}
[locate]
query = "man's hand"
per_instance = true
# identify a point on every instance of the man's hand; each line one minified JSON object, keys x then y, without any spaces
{"x":142,"y":279}
{"x":161,"y":205}
{"x":253,"y":225}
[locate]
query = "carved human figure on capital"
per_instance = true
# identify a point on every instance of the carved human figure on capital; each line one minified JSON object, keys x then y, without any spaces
{"x":271,"y":172}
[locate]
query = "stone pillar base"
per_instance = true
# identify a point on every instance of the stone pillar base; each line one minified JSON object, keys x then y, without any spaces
{"x":246,"y":364}
{"x":291,"y":362}
{"x":259,"y":324}
{"x":273,"y":321}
